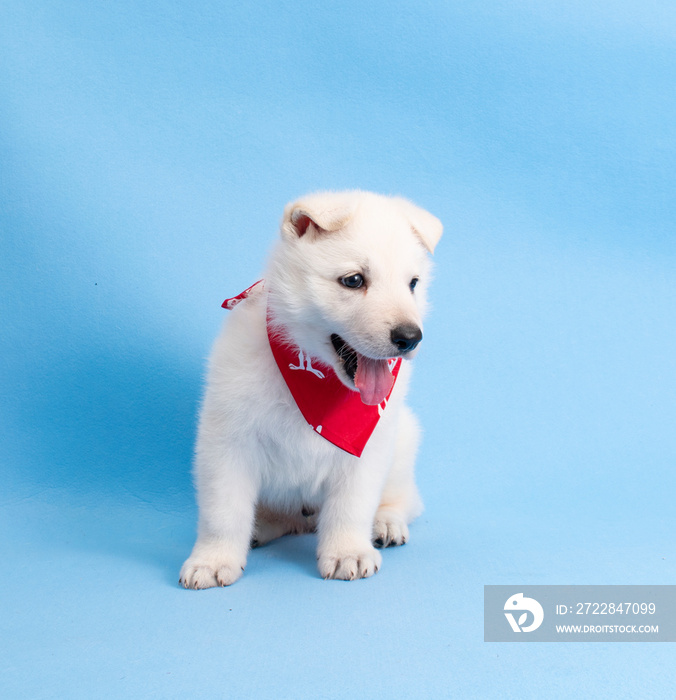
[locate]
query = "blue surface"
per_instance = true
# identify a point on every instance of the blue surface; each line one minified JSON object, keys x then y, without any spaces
{"x":146,"y":152}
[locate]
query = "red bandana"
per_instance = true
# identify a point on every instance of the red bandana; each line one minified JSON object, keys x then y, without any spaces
{"x":331,"y":409}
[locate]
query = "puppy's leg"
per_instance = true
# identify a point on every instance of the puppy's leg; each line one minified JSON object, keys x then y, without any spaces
{"x":400,"y":502}
{"x":227,"y":493}
{"x":346,"y":521}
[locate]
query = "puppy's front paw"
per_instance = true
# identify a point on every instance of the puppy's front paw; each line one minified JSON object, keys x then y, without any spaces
{"x":206,"y":569}
{"x":349,"y":565}
{"x":389,"y":529}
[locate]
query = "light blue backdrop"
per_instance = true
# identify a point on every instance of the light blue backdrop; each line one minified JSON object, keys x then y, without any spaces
{"x":146,"y":152}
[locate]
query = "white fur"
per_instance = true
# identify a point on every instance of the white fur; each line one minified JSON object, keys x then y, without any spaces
{"x":258,"y":463}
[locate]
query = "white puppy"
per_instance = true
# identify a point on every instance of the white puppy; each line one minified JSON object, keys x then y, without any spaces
{"x":302,"y":372}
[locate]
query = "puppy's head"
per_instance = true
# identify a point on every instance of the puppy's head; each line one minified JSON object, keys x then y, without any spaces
{"x":347,"y":283}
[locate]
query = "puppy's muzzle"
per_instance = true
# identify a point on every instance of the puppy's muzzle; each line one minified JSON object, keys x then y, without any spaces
{"x":406,"y":337}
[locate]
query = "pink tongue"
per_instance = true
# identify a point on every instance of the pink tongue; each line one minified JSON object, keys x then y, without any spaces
{"x":373,"y":379}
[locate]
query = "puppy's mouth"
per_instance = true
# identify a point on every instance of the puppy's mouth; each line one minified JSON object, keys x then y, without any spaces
{"x":372,"y":378}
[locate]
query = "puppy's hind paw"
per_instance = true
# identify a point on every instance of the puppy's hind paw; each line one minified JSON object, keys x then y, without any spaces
{"x":389,"y":530}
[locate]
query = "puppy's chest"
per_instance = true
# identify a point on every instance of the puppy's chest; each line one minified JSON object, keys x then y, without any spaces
{"x":296,"y":465}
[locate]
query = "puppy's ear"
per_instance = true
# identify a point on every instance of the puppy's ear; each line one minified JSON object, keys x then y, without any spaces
{"x":425,"y":225}
{"x":321,"y":210}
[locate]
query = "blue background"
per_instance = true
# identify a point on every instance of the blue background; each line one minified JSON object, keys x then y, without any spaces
{"x":146,"y":153}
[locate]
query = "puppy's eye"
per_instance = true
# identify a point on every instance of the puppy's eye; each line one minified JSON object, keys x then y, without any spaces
{"x":352,"y":281}
{"x":413,"y":283}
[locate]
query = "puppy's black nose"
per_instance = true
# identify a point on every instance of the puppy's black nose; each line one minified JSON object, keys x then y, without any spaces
{"x":406,"y":338}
